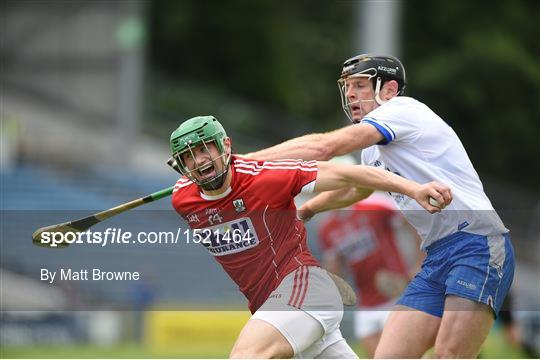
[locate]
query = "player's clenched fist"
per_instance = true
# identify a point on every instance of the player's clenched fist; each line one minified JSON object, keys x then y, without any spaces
{"x":433,"y":196}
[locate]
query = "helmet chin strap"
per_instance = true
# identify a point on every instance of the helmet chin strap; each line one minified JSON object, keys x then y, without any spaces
{"x":378,"y":99}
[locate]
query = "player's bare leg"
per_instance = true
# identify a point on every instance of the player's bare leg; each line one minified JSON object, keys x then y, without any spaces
{"x":258,"y":339}
{"x":408,"y":333}
{"x":464,"y":327}
{"x":369,"y":343}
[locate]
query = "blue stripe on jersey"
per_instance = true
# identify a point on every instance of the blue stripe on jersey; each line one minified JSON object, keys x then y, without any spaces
{"x":387,"y":136}
{"x":393,"y":133}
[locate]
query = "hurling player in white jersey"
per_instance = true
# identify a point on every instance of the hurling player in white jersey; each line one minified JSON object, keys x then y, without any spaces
{"x":244,"y":209}
{"x":470,"y":262}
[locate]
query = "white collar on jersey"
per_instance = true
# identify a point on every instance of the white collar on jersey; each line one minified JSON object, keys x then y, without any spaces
{"x":216,"y":197}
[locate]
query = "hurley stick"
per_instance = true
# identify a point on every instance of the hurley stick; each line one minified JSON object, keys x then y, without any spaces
{"x":84,"y":224}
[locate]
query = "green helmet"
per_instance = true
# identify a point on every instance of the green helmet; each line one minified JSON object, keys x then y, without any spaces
{"x":196,"y":131}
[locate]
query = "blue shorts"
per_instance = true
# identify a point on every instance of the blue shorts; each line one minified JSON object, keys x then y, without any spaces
{"x":475,"y":267}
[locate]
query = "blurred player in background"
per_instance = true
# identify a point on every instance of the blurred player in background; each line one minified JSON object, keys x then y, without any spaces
{"x":243,"y":212}
{"x":518,"y":334}
{"x":470,"y":259}
{"x":364,"y":240}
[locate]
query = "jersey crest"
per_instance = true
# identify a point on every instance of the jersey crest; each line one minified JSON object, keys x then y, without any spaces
{"x":239,"y":205}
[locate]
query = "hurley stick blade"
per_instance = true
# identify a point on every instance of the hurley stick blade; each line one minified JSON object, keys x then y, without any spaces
{"x":51,"y":236}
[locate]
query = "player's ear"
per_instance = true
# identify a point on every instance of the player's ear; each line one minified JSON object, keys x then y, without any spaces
{"x":389,"y":90}
{"x":227,"y":143}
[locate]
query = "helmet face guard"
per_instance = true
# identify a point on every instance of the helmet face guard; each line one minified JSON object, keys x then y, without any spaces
{"x":346,"y":104}
{"x":380,"y":68}
{"x":193,"y":133}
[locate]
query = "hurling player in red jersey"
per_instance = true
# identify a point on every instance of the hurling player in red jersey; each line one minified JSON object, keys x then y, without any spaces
{"x":364,"y":240}
{"x":243,"y":211}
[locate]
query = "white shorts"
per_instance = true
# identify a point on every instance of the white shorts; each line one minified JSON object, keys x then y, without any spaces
{"x":371,"y":320}
{"x":306,"y":308}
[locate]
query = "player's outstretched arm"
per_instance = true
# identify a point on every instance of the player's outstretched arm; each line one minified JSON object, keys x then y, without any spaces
{"x":339,"y":176}
{"x":322,"y":146}
{"x":337,"y":199}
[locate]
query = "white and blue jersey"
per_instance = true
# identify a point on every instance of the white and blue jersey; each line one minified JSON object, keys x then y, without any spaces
{"x":469,"y":253}
{"x":420,"y":146}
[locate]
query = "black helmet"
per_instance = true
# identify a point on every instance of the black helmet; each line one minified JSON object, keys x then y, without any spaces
{"x":381,"y":68}
{"x":375,"y":66}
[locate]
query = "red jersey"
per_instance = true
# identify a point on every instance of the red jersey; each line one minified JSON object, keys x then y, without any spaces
{"x":364,"y":238}
{"x":252,"y":229}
